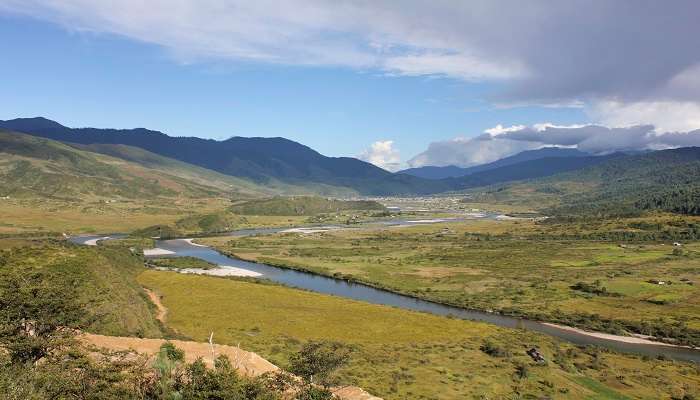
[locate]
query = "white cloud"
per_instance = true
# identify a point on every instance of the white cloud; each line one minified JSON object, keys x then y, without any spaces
{"x":465,"y":152}
{"x":499,"y":142}
{"x":382,"y":154}
{"x":499,"y":129}
{"x":666,"y":116}
{"x":531,"y":49}
{"x":544,"y":58}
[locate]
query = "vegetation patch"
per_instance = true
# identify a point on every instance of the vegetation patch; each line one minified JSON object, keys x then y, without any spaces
{"x":181,"y":263}
{"x":102,"y":279}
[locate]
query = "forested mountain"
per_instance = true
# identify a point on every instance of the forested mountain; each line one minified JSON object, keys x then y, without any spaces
{"x":430,"y":172}
{"x":532,"y":169}
{"x":662,"y":180}
{"x":667,"y":180}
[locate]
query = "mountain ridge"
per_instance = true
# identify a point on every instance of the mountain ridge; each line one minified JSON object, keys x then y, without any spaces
{"x":262,"y":160}
{"x":452,"y":171}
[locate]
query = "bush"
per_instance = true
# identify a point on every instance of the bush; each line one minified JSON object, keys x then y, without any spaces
{"x":494,"y":349}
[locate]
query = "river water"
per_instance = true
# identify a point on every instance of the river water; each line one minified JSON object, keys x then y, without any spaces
{"x":361,"y":292}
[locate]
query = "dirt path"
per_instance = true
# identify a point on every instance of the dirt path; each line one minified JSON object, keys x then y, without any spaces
{"x":162,"y":311}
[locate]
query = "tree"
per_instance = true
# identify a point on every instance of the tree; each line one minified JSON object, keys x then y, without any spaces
{"x":39,"y":312}
{"x":317,"y":361}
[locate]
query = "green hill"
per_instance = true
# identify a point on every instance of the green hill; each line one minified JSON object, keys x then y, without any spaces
{"x":666,"y":180}
{"x":36,"y":167}
{"x":301,"y":205}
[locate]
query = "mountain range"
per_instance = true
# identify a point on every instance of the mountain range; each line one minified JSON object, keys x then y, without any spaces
{"x":265,"y":161}
{"x":451,"y":171}
{"x":137,"y":162}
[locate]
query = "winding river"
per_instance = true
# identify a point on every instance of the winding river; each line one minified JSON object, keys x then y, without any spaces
{"x":356,"y":291}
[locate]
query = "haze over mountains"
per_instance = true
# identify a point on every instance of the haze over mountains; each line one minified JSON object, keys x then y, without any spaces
{"x":277,"y":165}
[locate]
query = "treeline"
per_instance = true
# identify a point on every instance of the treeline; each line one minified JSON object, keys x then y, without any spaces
{"x":681,"y":200}
{"x":666,"y":180}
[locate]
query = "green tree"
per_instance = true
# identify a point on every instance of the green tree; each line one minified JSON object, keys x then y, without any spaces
{"x":317,"y":361}
{"x":39,"y":312}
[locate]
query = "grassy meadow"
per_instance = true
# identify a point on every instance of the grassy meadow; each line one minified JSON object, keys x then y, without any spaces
{"x":516,"y":267}
{"x":400,"y":354}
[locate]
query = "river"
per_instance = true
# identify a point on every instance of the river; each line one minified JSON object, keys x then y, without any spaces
{"x":357,"y":291}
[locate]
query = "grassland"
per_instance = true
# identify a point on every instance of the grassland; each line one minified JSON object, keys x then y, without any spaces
{"x":400,"y":354}
{"x":515,"y":267}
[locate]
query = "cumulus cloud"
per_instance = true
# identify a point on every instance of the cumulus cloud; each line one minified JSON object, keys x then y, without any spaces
{"x":499,"y":142}
{"x":465,"y":152}
{"x":382,"y":154}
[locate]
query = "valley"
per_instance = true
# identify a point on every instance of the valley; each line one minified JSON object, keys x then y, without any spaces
{"x":448,"y":290}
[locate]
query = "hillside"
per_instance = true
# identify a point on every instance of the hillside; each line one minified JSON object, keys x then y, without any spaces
{"x":301,"y":205}
{"x":36,"y":167}
{"x":104,"y":280}
{"x":667,"y":180}
{"x":430,"y":172}
{"x":532,"y":169}
{"x":268,"y":161}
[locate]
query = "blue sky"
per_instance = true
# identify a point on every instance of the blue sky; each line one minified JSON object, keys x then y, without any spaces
{"x":391,"y":82}
{"x":102,"y":80}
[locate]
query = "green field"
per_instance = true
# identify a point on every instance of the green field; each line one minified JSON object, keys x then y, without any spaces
{"x":509,"y":267}
{"x":400,"y":354}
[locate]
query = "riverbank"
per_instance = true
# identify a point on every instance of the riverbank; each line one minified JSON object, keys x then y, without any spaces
{"x":578,"y":330}
{"x":635,"y":339}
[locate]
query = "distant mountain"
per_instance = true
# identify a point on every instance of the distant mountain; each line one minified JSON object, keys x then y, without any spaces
{"x":287,"y":167}
{"x":531,"y":169}
{"x":262,"y":160}
{"x":38,"y":167}
{"x":430,"y":172}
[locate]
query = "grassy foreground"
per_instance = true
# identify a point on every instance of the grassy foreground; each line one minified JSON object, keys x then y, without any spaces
{"x":401,"y":354}
{"x":104,"y":279}
{"x":515,"y":267}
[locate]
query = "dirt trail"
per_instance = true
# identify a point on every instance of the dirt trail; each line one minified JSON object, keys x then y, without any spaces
{"x":162,"y":311}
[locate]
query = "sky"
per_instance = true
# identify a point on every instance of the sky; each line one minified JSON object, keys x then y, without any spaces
{"x":396,"y":83}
